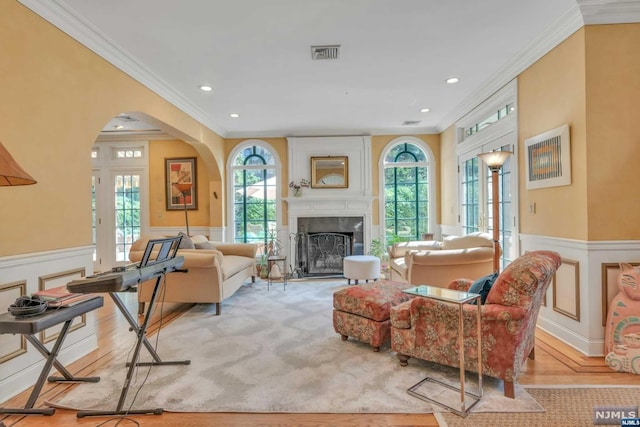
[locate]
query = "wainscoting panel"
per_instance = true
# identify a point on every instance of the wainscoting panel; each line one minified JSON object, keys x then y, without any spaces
{"x":53,"y":281}
{"x":566,"y":289}
{"x":20,"y":364}
{"x":576,"y":304}
{"x":11,"y":345}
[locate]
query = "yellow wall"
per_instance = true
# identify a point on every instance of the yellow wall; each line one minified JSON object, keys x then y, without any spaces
{"x":158,"y":215}
{"x":551,"y":93}
{"x":592,"y":82}
{"x":448,"y":177}
{"x":613,"y":131}
{"x":56,"y":97}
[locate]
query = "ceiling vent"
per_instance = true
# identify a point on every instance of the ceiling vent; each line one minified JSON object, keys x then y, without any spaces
{"x":325,"y":52}
{"x":411,"y":122}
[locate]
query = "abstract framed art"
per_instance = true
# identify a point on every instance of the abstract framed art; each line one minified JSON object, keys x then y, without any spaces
{"x":180,"y":181}
{"x":548,"y":159}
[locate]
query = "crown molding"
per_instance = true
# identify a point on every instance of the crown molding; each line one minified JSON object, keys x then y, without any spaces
{"x":408,"y":130}
{"x":609,"y":11}
{"x":566,"y":25}
{"x":133,"y":136}
{"x":70,"y":22}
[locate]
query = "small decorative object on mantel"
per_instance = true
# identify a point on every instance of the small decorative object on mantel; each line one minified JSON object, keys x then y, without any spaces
{"x":297,"y":187}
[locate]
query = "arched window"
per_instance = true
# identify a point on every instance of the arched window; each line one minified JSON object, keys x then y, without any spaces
{"x":407,"y":190}
{"x":255,"y":188}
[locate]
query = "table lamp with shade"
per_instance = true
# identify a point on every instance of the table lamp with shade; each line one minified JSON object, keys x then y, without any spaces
{"x":184,"y":188}
{"x":10,"y":171}
{"x":495,"y":160}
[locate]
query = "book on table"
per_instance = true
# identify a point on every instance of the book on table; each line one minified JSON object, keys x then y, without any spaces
{"x":61,"y":297}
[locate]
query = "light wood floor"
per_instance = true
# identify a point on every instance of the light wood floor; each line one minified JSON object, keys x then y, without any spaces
{"x":555,"y":364}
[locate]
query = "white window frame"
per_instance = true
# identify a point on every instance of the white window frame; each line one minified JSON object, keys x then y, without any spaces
{"x":501,"y":133}
{"x":431,"y":167}
{"x":230,"y":229}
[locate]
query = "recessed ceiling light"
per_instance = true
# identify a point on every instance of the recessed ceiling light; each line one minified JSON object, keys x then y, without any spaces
{"x":234,"y":115}
{"x":119,"y":127}
{"x":205,"y":88}
{"x":424,"y":110}
{"x":452,"y":80}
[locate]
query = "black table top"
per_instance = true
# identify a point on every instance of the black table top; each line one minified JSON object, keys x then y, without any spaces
{"x":52,"y":316}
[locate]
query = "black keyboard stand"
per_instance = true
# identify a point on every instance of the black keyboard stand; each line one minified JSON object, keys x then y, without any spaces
{"x":28,"y":327}
{"x":141,"y":332}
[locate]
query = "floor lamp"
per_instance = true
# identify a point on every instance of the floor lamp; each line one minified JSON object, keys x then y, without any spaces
{"x":495,"y":160}
{"x":184,"y":188}
{"x":10,"y":172}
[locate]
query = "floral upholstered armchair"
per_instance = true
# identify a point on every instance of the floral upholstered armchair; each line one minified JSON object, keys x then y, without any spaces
{"x":428,"y":329}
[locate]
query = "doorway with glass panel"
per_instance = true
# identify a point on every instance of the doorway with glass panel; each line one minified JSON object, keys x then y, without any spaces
{"x":476,"y":213}
{"x":119,"y":192}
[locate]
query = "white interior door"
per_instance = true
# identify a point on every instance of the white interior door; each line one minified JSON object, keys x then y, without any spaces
{"x":120,"y":202}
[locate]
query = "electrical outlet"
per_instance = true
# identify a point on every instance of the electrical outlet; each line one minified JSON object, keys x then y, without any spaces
{"x":532,"y":208}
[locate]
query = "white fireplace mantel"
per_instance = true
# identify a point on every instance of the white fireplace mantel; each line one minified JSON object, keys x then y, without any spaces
{"x":354,"y":201}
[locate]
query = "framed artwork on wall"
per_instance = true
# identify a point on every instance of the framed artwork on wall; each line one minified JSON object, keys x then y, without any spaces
{"x":181,"y":183}
{"x":548,"y":159}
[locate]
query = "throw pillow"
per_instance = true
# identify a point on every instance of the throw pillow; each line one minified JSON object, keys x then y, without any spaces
{"x":204,"y":245}
{"x":483,"y":285}
{"x":186,"y":242}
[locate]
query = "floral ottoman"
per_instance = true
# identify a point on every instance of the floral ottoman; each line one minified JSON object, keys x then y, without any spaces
{"x":362,"y":311}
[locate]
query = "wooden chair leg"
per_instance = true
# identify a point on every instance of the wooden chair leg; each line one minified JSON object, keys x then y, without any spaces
{"x":218,"y":308}
{"x":509,"y":389}
{"x":253,"y":279}
{"x":404,"y":359}
{"x":532,"y":354}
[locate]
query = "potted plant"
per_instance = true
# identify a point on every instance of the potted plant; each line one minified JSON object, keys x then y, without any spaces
{"x":274,"y":245}
{"x":378,"y":248}
{"x":262,"y":268}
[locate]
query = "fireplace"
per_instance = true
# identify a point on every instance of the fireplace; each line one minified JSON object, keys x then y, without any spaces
{"x":322,"y":242}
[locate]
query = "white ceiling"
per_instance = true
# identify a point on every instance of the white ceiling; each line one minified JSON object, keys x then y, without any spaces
{"x":394,"y":59}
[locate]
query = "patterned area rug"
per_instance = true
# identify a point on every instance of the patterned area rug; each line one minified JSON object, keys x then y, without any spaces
{"x":274,"y":351}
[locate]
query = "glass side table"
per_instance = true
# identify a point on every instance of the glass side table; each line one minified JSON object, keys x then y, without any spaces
{"x":459,"y":298}
{"x":281,"y":262}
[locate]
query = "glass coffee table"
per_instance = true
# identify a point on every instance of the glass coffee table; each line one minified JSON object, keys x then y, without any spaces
{"x":459,"y":298}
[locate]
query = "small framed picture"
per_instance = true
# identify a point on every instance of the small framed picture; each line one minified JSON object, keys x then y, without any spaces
{"x":180,"y":182}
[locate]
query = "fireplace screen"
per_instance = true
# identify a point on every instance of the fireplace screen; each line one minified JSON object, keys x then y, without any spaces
{"x":322,"y":242}
{"x":326,"y":250}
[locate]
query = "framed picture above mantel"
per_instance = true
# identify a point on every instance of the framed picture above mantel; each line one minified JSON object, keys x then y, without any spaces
{"x":330,"y":172}
{"x":181,"y":183}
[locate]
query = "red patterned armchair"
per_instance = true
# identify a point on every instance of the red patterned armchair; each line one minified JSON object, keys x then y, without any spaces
{"x":428,"y":329}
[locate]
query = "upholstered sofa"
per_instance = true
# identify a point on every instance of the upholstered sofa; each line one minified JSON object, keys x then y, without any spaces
{"x":437,"y":263}
{"x":215,"y":271}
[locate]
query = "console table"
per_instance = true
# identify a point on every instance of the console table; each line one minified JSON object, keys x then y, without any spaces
{"x":28,"y":327}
